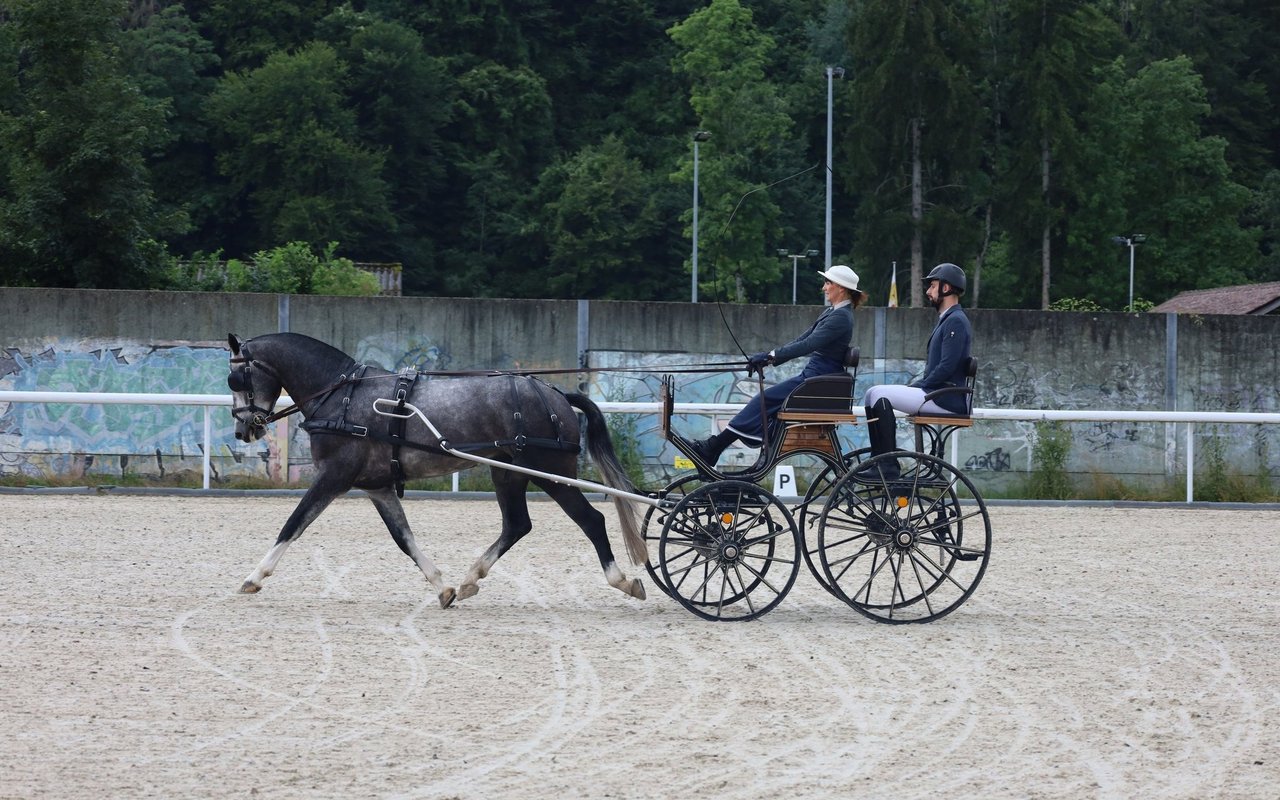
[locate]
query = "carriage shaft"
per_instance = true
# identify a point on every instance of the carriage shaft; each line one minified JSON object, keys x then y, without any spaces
{"x":575,"y":482}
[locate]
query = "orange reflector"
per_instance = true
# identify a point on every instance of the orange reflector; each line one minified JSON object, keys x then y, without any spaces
{"x":902,"y":502}
{"x":726,"y":518}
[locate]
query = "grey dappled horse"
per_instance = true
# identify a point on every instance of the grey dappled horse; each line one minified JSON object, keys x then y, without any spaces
{"x":514,"y":419}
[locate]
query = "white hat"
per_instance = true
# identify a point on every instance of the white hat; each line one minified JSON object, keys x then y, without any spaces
{"x":842,"y":275}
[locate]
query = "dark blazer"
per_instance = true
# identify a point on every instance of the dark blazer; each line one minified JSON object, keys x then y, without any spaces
{"x":828,"y":337}
{"x":949,"y":347}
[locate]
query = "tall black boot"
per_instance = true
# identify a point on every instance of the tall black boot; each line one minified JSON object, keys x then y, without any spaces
{"x":709,"y":449}
{"x":882,"y":430}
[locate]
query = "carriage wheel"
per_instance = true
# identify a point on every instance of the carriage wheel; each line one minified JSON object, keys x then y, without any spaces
{"x":907,"y":550}
{"x":654,"y":522}
{"x":811,"y":511}
{"x":729,"y":551}
{"x":656,"y":518}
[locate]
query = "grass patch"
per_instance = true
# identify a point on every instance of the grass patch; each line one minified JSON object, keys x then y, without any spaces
{"x":1049,"y":479}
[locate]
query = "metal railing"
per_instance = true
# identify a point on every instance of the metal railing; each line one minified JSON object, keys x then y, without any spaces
{"x":211,"y":401}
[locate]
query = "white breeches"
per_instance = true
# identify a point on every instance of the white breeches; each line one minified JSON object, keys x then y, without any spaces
{"x":907,"y":399}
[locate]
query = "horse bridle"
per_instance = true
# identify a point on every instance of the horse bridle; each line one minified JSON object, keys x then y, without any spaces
{"x":241,"y":380}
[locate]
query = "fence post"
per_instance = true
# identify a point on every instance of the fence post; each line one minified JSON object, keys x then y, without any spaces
{"x":208,"y":443}
{"x":1191,"y":461}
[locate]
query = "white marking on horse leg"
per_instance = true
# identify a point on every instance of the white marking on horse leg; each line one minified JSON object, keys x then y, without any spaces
{"x":480,"y":569}
{"x":392,"y":513}
{"x":444,"y":593}
{"x":619,"y":581}
{"x":254,"y":582}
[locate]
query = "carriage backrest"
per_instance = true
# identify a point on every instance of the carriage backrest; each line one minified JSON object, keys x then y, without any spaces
{"x":970,"y":382}
{"x":851,"y":357}
{"x":826,"y":393}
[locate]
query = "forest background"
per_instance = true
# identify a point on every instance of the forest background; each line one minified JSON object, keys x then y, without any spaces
{"x":532,"y":148}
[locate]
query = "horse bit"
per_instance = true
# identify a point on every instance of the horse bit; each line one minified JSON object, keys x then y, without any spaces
{"x":241,"y":380}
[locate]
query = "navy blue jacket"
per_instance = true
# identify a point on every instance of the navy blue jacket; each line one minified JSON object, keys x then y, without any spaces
{"x":827,"y":338}
{"x":949,"y":348}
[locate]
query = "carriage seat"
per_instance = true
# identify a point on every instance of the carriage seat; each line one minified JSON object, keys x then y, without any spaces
{"x":964,"y":420}
{"x":823,"y":397}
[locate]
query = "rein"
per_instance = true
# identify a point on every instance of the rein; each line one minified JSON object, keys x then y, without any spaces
{"x":263,"y":417}
{"x":714,"y":366}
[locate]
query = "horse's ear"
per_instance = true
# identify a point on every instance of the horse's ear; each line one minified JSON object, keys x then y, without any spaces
{"x":234,"y":341}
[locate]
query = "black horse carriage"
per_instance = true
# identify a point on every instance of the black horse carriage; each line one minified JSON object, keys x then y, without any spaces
{"x":911,"y":549}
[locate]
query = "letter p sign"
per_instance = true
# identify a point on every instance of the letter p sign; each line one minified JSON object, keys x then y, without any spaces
{"x":784,"y":481}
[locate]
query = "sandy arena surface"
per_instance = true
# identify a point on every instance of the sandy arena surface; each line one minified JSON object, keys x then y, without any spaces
{"x":1109,"y":653}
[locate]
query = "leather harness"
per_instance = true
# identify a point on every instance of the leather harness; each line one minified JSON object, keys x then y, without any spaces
{"x":394,"y":435}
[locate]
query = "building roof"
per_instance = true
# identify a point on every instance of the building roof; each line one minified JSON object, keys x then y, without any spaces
{"x":1253,"y":298}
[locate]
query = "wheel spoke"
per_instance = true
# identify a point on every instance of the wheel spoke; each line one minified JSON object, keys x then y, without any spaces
{"x":759,"y":576}
{"x":875,"y":570}
{"x":745,"y":594}
{"x":893,"y":551}
{"x":742,"y":533}
{"x":915,"y":567}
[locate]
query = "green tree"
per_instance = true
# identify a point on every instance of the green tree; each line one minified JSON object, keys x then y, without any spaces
{"x":1051,"y":50}
{"x":1155,"y":172}
{"x":288,"y":147}
{"x":404,"y":100}
{"x":723,"y":55}
{"x":1232,"y":46}
{"x":175,"y":67}
{"x":599,"y":211}
{"x":245,"y":35}
{"x":1264,"y":214}
{"x":503,"y":124}
{"x":915,"y":140}
{"x":76,"y":207}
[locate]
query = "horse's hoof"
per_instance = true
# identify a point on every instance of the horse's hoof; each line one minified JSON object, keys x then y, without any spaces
{"x":249,"y":587}
{"x":467,"y":590}
{"x":636,"y":589}
{"x":446,"y":597}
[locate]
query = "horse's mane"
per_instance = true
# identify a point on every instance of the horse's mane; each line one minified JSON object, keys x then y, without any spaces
{"x":299,"y":342}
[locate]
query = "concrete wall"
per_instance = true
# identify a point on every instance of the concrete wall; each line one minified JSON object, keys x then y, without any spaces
{"x":81,"y":340}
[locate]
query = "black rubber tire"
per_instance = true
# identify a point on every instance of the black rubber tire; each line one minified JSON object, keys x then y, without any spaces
{"x":729,"y":551}
{"x":908,"y":550}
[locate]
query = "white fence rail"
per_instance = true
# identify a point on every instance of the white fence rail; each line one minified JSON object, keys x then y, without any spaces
{"x":211,"y":401}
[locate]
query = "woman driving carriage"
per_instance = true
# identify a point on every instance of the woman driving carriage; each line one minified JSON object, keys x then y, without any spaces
{"x":825,"y":342}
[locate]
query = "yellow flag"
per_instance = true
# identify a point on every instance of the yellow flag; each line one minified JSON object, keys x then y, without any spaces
{"x":893,"y":287}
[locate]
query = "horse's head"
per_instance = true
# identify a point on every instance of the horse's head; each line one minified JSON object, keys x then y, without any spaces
{"x":251,"y":382}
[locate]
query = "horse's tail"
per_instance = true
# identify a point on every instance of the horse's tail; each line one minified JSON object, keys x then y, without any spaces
{"x":600,"y":447}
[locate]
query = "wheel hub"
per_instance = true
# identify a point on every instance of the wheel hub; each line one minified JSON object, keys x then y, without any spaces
{"x":730,"y":551}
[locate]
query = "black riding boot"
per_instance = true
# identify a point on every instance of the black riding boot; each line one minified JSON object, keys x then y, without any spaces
{"x":882,"y":430}
{"x":709,"y":449}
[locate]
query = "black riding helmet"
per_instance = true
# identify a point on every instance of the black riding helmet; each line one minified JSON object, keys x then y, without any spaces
{"x":947,"y":273}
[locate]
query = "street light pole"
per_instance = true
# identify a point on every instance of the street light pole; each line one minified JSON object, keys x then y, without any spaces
{"x":700,"y":136}
{"x":1131,"y":249}
{"x":795,"y":259}
{"x":1132,"y":241}
{"x":832,"y":72}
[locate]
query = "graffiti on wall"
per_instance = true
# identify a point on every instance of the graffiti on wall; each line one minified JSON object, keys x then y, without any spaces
{"x":38,"y":439}
{"x":996,"y":460}
{"x":74,"y":439}
{"x":1094,"y":384}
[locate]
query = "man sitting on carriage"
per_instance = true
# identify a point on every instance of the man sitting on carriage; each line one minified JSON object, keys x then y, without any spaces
{"x":941,"y":389}
{"x":825,"y":343}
